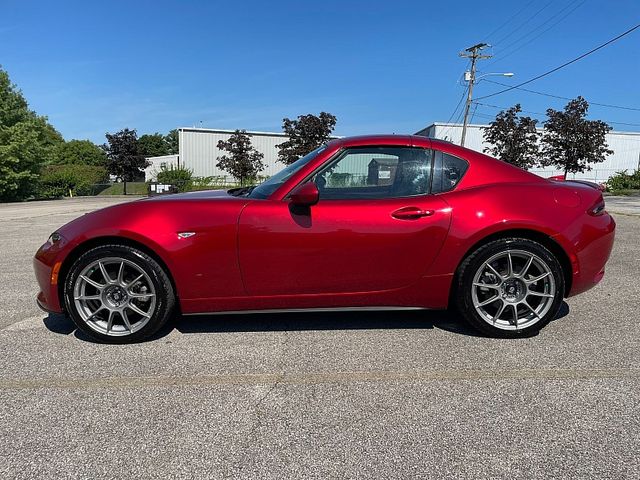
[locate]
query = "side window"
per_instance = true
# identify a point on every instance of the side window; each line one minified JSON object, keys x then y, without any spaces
{"x":376,"y":172}
{"x":447,"y":172}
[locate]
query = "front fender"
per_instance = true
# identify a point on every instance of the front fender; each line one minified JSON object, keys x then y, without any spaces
{"x":202,"y":265}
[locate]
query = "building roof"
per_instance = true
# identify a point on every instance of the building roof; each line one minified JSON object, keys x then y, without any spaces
{"x":219,"y":130}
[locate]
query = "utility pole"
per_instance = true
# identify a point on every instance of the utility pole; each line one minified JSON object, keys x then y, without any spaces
{"x":474,"y":54}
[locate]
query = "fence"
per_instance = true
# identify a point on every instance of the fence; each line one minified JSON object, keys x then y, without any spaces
{"x":220,"y":182}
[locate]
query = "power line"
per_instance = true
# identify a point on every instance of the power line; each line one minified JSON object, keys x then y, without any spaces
{"x":493,"y":117}
{"x":506,"y":108}
{"x":504,"y":55}
{"x":523,"y":24}
{"x":507,"y":22}
{"x":485,"y":115}
{"x":464,"y":94}
{"x":540,"y":113}
{"x":608,"y":105}
{"x":473,"y":114}
{"x":456,"y":122}
{"x":564,"y":64}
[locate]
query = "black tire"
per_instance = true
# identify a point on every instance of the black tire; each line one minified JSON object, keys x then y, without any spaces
{"x":164,"y":294}
{"x":463,"y":286}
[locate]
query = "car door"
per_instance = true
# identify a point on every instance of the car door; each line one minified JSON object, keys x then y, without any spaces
{"x":374,"y":228}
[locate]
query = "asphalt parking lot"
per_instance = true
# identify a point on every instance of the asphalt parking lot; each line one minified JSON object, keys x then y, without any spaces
{"x":334,"y":395}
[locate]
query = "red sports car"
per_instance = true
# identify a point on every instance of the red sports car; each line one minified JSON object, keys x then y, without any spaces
{"x":387,"y":222}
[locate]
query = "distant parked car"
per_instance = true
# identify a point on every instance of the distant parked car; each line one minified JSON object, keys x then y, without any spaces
{"x":382,"y":222}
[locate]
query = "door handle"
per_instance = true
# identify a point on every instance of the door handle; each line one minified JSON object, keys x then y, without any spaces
{"x":411,"y":213}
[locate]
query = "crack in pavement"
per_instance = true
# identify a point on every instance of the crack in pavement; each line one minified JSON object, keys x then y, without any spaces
{"x":251,"y":435}
{"x":308,"y":378}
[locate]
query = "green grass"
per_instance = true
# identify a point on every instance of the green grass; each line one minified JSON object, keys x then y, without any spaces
{"x":133,"y":188}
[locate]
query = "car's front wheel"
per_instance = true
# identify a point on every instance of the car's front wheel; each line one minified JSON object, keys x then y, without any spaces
{"x":118,"y":294}
{"x":510,"y":287}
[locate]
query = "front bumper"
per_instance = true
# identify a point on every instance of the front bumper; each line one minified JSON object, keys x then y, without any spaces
{"x":46,"y":264}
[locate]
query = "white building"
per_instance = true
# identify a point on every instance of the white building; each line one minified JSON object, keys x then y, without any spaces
{"x":625,"y":146}
{"x":199,"y":151}
{"x":157,"y":164}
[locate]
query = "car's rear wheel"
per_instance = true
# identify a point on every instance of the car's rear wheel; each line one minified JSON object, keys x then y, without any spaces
{"x":118,"y":294}
{"x":510,"y":287}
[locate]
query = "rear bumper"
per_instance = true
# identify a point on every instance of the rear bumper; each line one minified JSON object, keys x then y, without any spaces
{"x":589,"y":250}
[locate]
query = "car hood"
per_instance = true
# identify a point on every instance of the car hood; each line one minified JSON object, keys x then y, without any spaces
{"x":167,"y":213}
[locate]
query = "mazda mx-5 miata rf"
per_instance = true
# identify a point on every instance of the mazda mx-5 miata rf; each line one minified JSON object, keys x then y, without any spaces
{"x":385,"y":222}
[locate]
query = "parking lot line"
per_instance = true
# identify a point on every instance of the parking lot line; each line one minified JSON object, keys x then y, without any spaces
{"x":321,"y":377}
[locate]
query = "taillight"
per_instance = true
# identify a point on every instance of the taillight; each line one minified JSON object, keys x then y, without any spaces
{"x":597,"y":208}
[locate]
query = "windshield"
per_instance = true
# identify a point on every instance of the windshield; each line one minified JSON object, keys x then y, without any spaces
{"x":265,"y":189}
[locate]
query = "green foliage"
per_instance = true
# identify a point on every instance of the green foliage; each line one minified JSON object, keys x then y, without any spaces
{"x":178,"y":176}
{"x":133,"y":188}
{"x":202,"y":183}
{"x":305,"y":134}
{"x":514,"y":139}
{"x":123,"y":159}
{"x":27,"y":141}
{"x":153,"y":145}
{"x":79,"y":152}
{"x":623,"y":181}
{"x":171,"y":139}
{"x":244,"y":162}
{"x":61,"y":180}
{"x":570,"y":141}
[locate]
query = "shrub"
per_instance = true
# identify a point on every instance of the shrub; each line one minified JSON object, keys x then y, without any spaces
{"x":60,"y":180}
{"x":624,"y":181}
{"x":181,"y":177}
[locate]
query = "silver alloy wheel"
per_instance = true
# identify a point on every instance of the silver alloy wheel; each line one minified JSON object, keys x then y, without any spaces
{"x":513,"y":290}
{"x":114,"y":296}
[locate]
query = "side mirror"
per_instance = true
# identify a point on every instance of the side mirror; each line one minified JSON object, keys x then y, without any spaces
{"x":305,"y":195}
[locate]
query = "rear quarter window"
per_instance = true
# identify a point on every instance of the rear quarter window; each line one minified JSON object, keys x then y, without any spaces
{"x":447,"y":172}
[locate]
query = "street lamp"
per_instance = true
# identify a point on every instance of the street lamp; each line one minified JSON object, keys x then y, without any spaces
{"x":467,"y":75}
{"x":470,"y":76}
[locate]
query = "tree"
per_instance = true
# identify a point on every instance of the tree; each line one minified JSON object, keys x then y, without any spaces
{"x":179,"y":177}
{"x":153,"y":145}
{"x":244,"y":162}
{"x":27,"y":141}
{"x":570,"y":141}
{"x":305,"y":134}
{"x":71,"y":179}
{"x":79,"y":152}
{"x":123,"y":159}
{"x":514,"y":139}
{"x":172,"y":141}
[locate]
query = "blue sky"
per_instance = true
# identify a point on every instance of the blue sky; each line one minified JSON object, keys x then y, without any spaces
{"x":380,"y":67}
